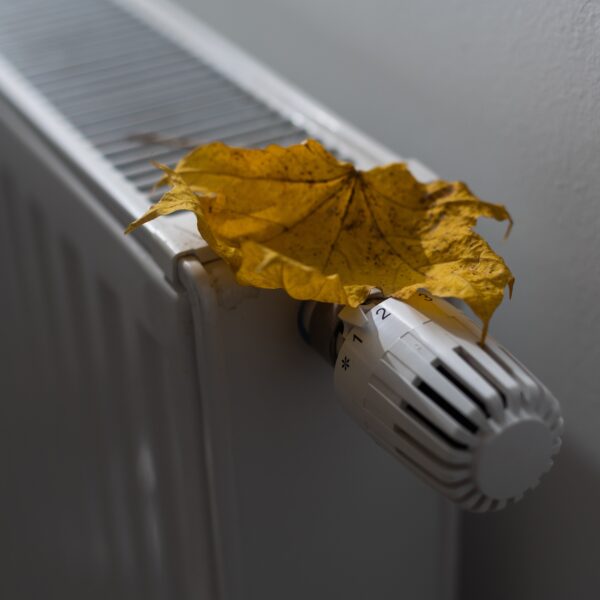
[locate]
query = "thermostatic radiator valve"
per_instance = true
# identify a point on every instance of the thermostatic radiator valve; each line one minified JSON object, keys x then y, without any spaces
{"x":466,"y":417}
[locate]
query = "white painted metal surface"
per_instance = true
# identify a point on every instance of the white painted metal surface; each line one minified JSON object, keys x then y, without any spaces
{"x":167,"y":433}
{"x":104,"y":491}
{"x":308,"y":506}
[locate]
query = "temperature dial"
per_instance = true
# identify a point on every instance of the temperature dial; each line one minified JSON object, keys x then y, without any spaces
{"x":466,"y":417}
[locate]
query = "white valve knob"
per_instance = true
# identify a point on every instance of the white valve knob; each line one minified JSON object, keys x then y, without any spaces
{"x":467,"y":418}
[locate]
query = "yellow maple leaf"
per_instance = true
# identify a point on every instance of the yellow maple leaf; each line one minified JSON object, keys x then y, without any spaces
{"x":297,"y":218}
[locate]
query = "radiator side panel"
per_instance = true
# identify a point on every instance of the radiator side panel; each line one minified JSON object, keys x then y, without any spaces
{"x":103,"y":484}
{"x":309,"y":506}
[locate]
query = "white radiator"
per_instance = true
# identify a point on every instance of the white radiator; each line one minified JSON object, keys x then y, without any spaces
{"x":165,"y":432}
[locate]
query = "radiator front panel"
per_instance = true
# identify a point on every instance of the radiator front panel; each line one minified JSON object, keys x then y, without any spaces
{"x":103,"y":486}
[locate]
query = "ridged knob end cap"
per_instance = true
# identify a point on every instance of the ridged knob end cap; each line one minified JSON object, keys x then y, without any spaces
{"x":512,"y":460}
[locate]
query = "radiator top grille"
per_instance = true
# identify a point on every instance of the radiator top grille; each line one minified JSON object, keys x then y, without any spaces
{"x":134,"y":94}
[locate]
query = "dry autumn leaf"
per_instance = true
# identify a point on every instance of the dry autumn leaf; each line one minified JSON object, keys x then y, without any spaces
{"x":297,"y":218}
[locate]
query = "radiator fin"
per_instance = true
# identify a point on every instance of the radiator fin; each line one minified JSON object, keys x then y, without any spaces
{"x":133,"y":93}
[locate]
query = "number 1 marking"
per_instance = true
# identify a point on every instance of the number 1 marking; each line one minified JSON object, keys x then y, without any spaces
{"x":355,"y":338}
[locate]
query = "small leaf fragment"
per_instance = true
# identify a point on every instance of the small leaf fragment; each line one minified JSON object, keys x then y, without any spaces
{"x":297,"y":218}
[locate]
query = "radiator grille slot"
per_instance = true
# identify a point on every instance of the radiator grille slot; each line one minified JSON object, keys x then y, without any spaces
{"x":133,"y":93}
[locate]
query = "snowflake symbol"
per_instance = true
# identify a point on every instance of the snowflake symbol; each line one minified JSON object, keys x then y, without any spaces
{"x":345,"y":363}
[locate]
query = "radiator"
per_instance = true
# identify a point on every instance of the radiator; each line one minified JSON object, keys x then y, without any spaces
{"x":165,"y":432}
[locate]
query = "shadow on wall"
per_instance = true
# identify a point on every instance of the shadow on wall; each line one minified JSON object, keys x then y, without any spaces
{"x":564,"y":513}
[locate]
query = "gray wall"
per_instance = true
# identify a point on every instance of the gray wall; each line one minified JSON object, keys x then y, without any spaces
{"x":506,"y":96}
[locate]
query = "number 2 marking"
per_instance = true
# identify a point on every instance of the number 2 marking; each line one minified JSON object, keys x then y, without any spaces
{"x":384,"y":313}
{"x":426,"y":297}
